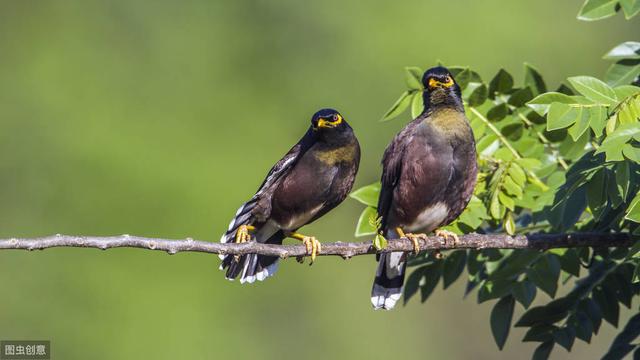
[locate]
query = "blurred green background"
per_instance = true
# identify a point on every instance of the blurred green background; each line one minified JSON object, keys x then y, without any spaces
{"x":160,"y":118}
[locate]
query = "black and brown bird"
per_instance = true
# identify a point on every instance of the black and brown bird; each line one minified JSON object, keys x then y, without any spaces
{"x":429,"y":173}
{"x":311,"y":179}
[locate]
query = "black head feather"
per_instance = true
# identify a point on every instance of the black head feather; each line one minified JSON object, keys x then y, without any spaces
{"x":329,"y":123}
{"x":441,"y":88}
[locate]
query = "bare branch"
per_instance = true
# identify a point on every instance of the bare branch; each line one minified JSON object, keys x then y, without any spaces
{"x":345,"y":250}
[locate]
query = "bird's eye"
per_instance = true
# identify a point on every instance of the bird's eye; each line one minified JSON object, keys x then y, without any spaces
{"x":335,"y":117}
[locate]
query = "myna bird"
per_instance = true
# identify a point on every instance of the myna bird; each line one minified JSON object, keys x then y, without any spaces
{"x":429,"y":173}
{"x":315,"y":176}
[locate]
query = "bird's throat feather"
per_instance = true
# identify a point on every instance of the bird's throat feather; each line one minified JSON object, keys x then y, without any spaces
{"x":346,"y":153}
{"x":449,"y":122}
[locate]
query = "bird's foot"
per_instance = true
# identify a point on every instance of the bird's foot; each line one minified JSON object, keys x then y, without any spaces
{"x":415,"y":238}
{"x":244,"y":233}
{"x":314,"y":247}
{"x":446,"y":234}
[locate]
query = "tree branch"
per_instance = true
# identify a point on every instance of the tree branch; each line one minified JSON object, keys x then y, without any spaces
{"x":345,"y":250}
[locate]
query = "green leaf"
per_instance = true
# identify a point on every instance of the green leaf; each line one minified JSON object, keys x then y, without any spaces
{"x":597,"y":9}
{"x":515,"y":264}
{"x":453,"y":266}
{"x":413,"y":284}
{"x":568,"y":206}
{"x":432,"y":274}
{"x":633,"y":211}
{"x":524,"y":292}
{"x":594,"y":89}
{"x":506,"y":201}
{"x":478,"y":96}
{"x":636,"y":246}
{"x":413,"y":76}
{"x":598,"y":119}
{"x":613,"y":142}
{"x":501,"y":317}
{"x":570,"y":262}
{"x":494,"y":289}
{"x":629,"y":111}
{"x":497,"y":112}
{"x":518,"y":175}
{"x":527,"y":163}
{"x":368,"y":195}
{"x":475,"y":213}
{"x":613,"y":192}
{"x":379,"y":242}
{"x":622,"y":178}
{"x":364,"y":226}
{"x":501,"y":83}
{"x":399,"y":106}
{"x":543,"y":351}
{"x":488,"y":144}
{"x":562,"y":115}
{"x":545,"y":274}
{"x":583,"y":119}
{"x":540,"y":333}
{"x":621,"y":345}
{"x":624,"y":91}
{"x":608,"y":304}
{"x":417,"y":105}
{"x":520,"y":97}
{"x":565,"y":337}
{"x":548,"y":314}
{"x":632,"y":153}
{"x":630,"y":8}
{"x":495,"y":209}
{"x":583,"y":326}
{"x":622,"y":72}
{"x":533,"y":79}
{"x":590,"y":308}
{"x":626,"y":50}
{"x":541,"y":103}
{"x":509,"y":224}
{"x":463,"y":78}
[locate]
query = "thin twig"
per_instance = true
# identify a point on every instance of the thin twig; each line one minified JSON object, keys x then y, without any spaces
{"x":345,"y":250}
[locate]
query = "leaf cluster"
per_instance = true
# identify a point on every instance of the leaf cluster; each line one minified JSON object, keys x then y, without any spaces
{"x":560,"y":160}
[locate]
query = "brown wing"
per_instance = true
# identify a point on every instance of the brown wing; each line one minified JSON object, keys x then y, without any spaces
{"x":258,"y":208}
{"x":392,"y":161}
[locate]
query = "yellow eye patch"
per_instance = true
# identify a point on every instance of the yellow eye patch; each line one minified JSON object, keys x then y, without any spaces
{"x":323,"y":123}
{"x":435,"y":83}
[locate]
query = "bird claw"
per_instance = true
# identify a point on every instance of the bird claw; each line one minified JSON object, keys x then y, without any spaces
{"x":446,"y":234}
{"x":243,"y":234}
{"x":415,"y":238}
{"x":313,"y":247}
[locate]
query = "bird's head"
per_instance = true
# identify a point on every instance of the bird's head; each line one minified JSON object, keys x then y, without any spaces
{"x":440,"y":88}
{"x":328,"y":124}
{"x":328,"y":120}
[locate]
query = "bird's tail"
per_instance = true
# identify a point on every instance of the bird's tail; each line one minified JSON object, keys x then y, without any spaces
{"x":387,"y":286}
{"x":250,"y":267}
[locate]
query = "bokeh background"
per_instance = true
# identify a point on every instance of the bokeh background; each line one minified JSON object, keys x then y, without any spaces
{"x":159,"y":118}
